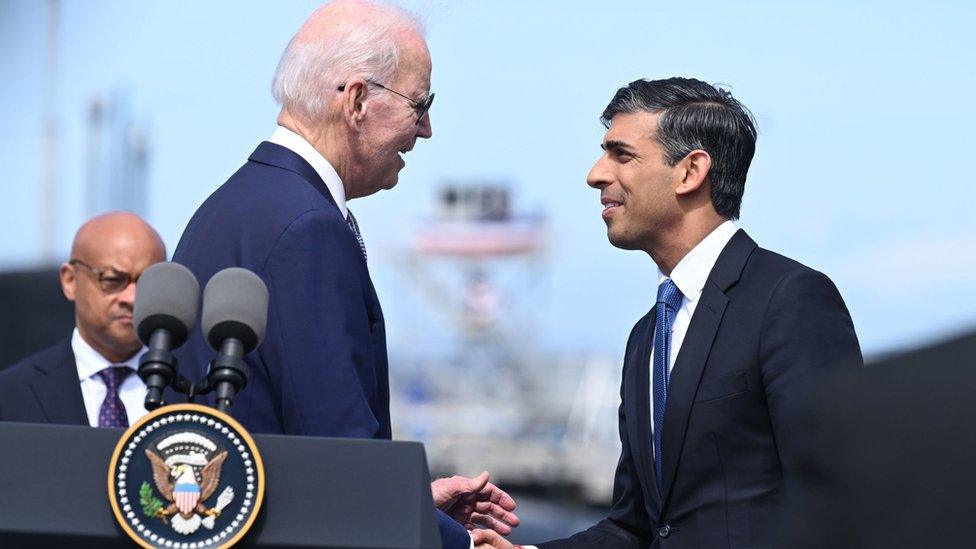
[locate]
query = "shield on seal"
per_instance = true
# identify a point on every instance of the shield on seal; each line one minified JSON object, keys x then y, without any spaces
{"x":186,"y":494}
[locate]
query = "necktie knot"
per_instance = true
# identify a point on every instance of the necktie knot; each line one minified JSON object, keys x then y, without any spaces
{"x":114,"y":375}
{"x":669,"y":294}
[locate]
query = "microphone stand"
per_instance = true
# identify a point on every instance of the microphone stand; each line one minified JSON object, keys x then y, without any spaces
{"x":226,"y":375}
{"x":228,"y":372}
{"x":157,"y":367}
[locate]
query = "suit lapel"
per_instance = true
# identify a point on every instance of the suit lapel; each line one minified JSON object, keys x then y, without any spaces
{"x":275,"y":155}
{"x":686,"y":375}
{"x":638,"y":405}
{"x":58,"y":390}
{"x":693,"y":355}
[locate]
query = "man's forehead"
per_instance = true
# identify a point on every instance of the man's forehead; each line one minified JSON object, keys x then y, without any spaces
{"x":125,"y":255}
{"x":415,"y":67}
{"x":632,"y":128}
{"x":117,"y":243}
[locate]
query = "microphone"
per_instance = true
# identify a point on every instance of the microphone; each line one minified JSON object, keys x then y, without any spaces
{"x":235,"y":314}
{"x":165,"y":312}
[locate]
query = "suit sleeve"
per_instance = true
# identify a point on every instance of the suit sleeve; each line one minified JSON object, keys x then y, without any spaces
{"x":318,"y":349}
{"x":807,"y":340}
{"x":453,"y":535}
{"x":626,"y":526}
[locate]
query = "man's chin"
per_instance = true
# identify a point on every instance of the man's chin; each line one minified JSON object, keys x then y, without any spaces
{"x":125,"y":340}
{"x":620,"y":241}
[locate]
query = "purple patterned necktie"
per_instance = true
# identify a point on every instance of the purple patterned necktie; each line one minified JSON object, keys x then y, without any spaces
{"x":112,"y":413}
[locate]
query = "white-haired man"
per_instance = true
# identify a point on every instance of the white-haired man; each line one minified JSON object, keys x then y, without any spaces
{"x":354,"y":90}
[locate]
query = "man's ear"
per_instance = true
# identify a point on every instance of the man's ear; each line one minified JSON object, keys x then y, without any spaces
{"x":68,"y":281}
{"x":352,"y":97}
{"x":694,"y":168}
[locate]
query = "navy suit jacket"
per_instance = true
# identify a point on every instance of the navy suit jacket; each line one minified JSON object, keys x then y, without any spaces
{"x":43,"y":388}
{"x":740,"y":411}
{"x":322,"y":368}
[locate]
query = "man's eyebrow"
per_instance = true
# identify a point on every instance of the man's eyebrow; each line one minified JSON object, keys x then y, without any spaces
{"x":612,"y":145}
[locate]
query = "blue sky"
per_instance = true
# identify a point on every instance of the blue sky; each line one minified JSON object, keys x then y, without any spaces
{"x":865,"y":113}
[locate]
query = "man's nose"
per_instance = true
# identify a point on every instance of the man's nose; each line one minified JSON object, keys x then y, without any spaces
{"x":424,"y":129}
{"x":599,"y":175}
{"x":128,"y":295}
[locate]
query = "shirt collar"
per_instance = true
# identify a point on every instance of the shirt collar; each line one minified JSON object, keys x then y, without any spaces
{"x":690,"y":273}
{"x":89,"y":361}
{"x":297,"y":144}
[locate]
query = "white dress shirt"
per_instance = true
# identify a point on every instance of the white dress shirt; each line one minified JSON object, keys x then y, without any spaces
{"x":297,"y":144}
{"x":89,"y":362}
{"x":689,"y":275}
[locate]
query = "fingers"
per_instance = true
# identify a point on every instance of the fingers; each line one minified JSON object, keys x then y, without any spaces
{"x":478,"y":483}
{"x":499,"y":496}
{"x":475,"y":501}
{"x":491,"y":523}
{"x":497,"y":512}
{"x":445,"y":490}
{"x":489,"y":538}
{"x":485,"y":511}
{"x":457,"y":485}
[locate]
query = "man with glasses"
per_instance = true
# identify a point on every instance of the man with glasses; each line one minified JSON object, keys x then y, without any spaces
{"x":354,"y":90}
{"x":90,"y":378}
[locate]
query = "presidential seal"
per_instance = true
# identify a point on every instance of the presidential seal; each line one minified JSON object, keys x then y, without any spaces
{"x":186,"y":477}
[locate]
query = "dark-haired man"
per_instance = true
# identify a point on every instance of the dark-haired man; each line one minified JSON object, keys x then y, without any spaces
{"x":90,"y":378}
{"x":716,"y":410}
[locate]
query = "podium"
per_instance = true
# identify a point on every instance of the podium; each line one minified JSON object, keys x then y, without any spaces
{"x":320,"y":492}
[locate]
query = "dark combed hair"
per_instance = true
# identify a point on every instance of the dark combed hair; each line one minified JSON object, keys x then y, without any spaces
{"x":697,"y":115}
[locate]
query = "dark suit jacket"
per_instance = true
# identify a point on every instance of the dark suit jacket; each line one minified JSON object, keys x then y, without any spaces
{"x":43,"y":388}
{"x":740,"y":411}
{"x":322,"y":368}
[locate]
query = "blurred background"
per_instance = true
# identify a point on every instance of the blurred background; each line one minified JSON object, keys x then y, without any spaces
{"x":490,"y":256}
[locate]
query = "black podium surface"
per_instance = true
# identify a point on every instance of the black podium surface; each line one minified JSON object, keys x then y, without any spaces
{"x":320,"y":492}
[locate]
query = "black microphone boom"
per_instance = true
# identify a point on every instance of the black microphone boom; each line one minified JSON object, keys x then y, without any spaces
{"x":165,"y":312}
{"x":235,"y":314}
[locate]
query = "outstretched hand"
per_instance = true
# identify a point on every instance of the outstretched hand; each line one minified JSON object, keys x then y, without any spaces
{"x":489,"y":539}
{"x":475,"y":502}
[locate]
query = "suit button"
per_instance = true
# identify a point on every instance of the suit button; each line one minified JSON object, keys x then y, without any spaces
{"x":664,"y":531}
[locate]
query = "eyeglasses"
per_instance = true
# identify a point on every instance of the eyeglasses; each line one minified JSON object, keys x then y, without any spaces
{"x":420,"y":106}
{"x":109,"y":280}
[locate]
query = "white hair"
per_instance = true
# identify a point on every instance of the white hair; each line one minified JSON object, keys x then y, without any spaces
{"x":311,"y":70}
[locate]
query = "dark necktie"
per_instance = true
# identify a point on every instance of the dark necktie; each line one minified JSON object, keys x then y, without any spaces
{"x":112,"y":413}
{"x":351,"y":221}
{"x":668,"y":301}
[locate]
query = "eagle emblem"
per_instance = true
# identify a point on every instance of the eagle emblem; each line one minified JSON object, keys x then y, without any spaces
{"x":186,"y":472}
{"x":186,"y":476}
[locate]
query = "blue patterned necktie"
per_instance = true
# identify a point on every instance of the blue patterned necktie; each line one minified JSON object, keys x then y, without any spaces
{"x":351,"y":221}
{"x":668,"y":301}
{"x":112,"y":413}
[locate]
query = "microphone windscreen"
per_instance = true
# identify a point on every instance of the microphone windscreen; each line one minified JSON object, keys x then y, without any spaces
{"x":167,"y":295}
{"x":235,"y":304}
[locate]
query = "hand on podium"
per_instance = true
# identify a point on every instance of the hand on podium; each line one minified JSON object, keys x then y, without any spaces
{"x":475,"y":502}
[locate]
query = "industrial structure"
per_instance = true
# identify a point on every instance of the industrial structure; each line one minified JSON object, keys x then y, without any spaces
{"x":498,"y":399}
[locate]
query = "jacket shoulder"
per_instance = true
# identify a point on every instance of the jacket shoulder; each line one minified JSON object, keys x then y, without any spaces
{"x":771,"y":269}
{"x":26,"y":368}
